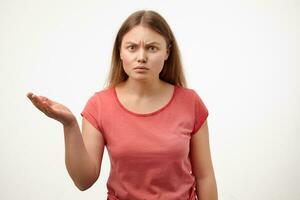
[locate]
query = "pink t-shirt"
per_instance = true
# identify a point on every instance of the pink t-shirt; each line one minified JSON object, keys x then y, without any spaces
{"x":149,"y":153}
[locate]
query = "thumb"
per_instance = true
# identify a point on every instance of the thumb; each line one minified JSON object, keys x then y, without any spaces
{"x":46,"y":100}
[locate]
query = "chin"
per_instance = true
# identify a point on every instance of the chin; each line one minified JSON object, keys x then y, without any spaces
{"x":141,"y":77}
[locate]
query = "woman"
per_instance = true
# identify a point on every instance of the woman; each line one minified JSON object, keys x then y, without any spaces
{"x":153,"y":126}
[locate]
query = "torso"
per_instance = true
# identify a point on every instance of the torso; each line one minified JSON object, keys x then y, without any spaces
{"x":145,"y":105}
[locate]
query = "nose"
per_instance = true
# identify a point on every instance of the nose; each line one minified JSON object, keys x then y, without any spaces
{"x":142,"y":57}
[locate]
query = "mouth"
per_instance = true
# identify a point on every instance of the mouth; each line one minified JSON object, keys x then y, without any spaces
{"x":141,"y":67}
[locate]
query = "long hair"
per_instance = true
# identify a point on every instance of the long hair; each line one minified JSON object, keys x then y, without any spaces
{"x":172,"y":71}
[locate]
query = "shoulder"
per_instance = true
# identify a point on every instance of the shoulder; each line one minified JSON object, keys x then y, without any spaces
{"x":104,"y":94}
{"x":186,"y":92}
{"x":98,"y":94}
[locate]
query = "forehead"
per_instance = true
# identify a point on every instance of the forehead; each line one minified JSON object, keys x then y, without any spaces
{"x":143,"y":34}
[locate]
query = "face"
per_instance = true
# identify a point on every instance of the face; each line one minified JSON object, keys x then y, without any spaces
{"x":144,"y":47}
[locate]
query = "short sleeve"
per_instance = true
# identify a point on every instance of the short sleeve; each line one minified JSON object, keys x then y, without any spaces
{"x":92,"y":111}
{"x":201,"y":112}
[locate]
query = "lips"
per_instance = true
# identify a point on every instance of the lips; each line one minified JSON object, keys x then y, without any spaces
{"x":141,"y":67}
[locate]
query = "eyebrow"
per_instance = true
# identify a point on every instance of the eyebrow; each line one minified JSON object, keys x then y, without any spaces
{"x":130,"y":42}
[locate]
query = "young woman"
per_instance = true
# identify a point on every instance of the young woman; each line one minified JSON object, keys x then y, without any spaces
{"x":153,"y":126}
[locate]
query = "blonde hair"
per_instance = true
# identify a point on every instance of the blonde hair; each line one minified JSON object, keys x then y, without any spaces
{"x":172,"y":71}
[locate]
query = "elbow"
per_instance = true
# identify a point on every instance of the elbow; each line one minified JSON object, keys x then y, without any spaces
{"x":82,"y":187}
{"x":85,"y":184}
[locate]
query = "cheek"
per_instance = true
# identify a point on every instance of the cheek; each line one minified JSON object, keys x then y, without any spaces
{"x":127,"y":59}
{"x":158,"y":60}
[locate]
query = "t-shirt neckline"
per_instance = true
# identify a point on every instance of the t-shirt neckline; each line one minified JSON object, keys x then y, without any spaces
{"x":144,"y":114}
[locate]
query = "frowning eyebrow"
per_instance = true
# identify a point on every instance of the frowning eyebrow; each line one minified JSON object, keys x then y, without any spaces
{"x":130,"y":42}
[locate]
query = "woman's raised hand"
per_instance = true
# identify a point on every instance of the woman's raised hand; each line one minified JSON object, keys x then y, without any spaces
{"x":52,"y":109}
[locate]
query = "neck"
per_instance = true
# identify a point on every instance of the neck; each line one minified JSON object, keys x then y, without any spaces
{"x":143,"y":88}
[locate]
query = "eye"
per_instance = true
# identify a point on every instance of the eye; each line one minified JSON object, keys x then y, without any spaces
{"x":131,"y":47}
{"x":153,"y":48}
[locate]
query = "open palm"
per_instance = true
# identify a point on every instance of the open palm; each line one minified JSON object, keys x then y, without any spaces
{"x":52,"y":109}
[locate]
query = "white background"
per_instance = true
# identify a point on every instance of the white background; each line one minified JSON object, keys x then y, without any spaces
{"x":242,"y":58}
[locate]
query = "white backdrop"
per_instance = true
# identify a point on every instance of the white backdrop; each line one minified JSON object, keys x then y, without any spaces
{"x":242,"y":58}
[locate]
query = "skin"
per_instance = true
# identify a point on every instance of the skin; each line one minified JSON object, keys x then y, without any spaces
{"x":143,"y":46}
{"x":52,"y":109}
{"x":142,"y":92}
{"x":141,"y":86}
{"x":202,"y":166}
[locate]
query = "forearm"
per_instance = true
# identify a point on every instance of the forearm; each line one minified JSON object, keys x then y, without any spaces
{"x":206,"y":188}
{"x":78,"y":163}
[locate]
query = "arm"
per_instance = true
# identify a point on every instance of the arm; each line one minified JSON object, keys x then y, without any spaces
{"x":202,"y":165}
{"x":83,"y":153}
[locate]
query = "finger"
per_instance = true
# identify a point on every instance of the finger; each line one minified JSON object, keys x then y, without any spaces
{"x":35,"y":99}
{"x":43,"y":98}
{"x":48,"y":110}
{"x":43,"y":107}
{"x":37,"y":102}
{"x":32,"y":98}
{"x":42,"y":103}
{"x":29,"y":94}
